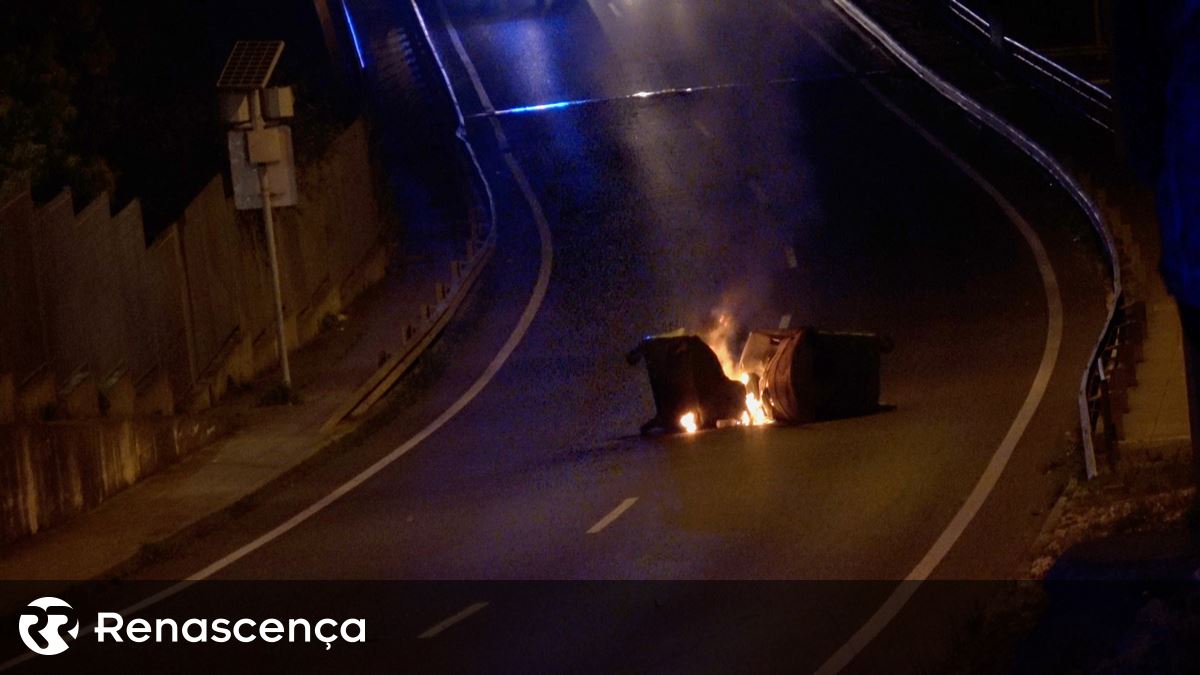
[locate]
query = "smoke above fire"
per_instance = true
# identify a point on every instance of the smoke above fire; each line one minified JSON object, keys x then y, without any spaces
{"x":722,"y":338}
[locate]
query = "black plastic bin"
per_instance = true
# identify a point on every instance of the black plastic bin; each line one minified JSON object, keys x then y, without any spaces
{"x":686,"y":377}
{"x":815,"y":375}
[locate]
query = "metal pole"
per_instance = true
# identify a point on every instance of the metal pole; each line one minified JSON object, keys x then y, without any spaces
{"x":264,"y":185}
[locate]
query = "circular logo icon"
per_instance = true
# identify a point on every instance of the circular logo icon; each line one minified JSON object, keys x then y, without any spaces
{"x":48,"y":625}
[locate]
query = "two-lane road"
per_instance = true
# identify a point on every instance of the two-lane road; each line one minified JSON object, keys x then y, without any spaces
{"x":783,"y":189}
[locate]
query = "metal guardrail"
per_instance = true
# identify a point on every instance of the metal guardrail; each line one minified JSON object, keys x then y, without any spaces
{"x":1095,"y":411}
{"x":1092,"y":100}
{"x":423,"y":45}
{"x":1102,"y":399}
{"x":445,"y":118}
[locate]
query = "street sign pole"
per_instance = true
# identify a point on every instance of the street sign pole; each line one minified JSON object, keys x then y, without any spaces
{"x":257,"y":151}
{"x":264,"y":183}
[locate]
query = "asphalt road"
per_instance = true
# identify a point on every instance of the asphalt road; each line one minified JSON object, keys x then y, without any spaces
{"x":781,"y":189}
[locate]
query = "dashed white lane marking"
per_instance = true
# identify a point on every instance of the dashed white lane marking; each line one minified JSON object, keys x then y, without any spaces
{"x":613,"y":515}
{"x":616,"y":12}
{"x":759,"y":193}
{"x":1033,"y":399}
{"x":439,"y":628}
{"x":785,"y":322}
{"x":790,"y":253}
{"x":704,"y":131}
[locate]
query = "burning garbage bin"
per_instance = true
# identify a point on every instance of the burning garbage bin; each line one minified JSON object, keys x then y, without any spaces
{"x":809,"y":375}
{"x":689,"y":384}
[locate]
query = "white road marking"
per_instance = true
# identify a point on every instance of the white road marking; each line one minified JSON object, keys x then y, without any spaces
{"x":616,"y":12}
{"x":439,"y":628}
{"x":1037,"y":390}
{"x":702,"y":129}
{"x":506,"y":351}
{"x":790,"y":254}
{"x":613,"y":515}
{"x":785,"y":322}
{"x":472,"y":72}
{"x":895,"y":602}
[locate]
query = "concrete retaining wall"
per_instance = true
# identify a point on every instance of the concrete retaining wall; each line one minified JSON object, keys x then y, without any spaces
{"x":51,"y":472}
{"x":81,"y":293}
{"x":108,"y":347}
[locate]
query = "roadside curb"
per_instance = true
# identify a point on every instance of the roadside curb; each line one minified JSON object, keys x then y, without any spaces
{"x":353,"y":420}
{"x":895,"y":603}
{"x":346,"y":434}
{"x":1049,"y":525}
{"x":156,"y":550}
{"x":1160,"y":449}
{"x":346,"y":431}
{"x":463,"y":279}
{"x":463,"y":276}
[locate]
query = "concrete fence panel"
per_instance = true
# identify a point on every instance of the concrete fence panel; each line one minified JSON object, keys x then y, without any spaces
{"x":317,"y":208}
{"x":209,"y":260}
{"x":22,"y":340}
{"x":62,"y":276}
{"x":129,"y":258}
{"x":81,"y":290}
{"x":167,"y":295}
{"x":103,"y":333}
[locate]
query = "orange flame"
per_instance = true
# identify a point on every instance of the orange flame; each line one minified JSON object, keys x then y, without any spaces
{"x":720,"y":339}
{"x":689,"y":423}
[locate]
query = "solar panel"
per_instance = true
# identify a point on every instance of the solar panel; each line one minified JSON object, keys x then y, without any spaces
{"x":250,"y":64}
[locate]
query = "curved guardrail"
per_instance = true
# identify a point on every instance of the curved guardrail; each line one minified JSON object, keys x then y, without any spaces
{"x":447,"y":118}
{"x":1096,"y":418}
{"x":1102,"y":394}
{"x":1093,"y":101}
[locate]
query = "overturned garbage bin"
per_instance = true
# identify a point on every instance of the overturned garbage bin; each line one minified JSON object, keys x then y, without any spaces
{"x":809,"y":375}
{"x":686,"y":378}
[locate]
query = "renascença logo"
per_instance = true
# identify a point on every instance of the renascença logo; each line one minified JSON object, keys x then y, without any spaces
{"x":46,"y":625}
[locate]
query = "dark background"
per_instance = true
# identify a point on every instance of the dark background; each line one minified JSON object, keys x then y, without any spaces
{"x":118,"y":96}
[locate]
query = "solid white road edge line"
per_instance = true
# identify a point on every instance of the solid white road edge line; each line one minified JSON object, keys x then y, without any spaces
{"x":514,"y":339}
{"x":1037,"y":390}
